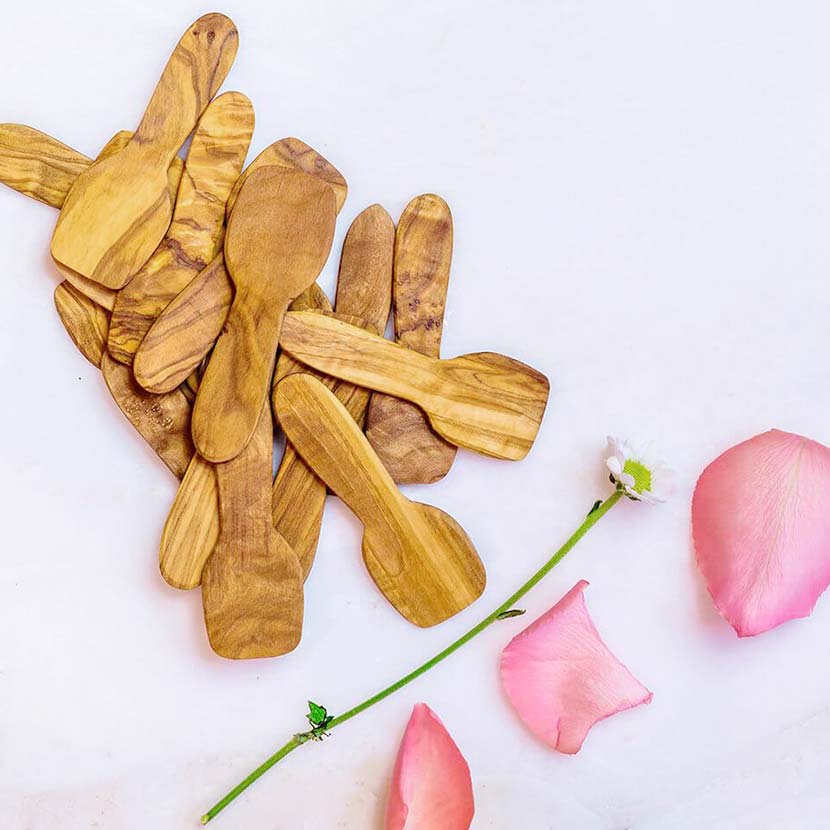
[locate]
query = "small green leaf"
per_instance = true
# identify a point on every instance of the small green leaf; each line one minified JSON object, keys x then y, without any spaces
{"x":513,"y":612}
{"x":594,"y":509}
{"x":317,"y":715}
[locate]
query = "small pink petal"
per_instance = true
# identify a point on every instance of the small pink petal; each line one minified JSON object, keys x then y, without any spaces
{"x":561,"y":677}
{"x":431,"y":786}
{"x":761,"y":526}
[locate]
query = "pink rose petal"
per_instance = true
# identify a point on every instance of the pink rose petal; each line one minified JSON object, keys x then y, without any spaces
{"x":561,"y":677}
{"x":431,"y":786}
{"x":761,"y":525}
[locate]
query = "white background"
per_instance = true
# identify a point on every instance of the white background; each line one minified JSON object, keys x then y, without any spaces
{"x":641,"y":194}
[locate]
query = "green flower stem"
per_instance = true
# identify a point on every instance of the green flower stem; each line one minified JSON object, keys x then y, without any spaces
{"x":298,"y":740}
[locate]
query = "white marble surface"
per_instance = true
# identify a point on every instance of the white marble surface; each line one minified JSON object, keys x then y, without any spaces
{"x":641,"y":194}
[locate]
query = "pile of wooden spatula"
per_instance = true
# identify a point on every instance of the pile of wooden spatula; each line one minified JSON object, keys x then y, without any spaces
{"x":183,"y":281}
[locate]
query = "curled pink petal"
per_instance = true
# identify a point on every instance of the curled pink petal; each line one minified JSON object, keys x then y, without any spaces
{"x":431,"y":786}
{"x":562,"y":679}
{"x":761,"y":526}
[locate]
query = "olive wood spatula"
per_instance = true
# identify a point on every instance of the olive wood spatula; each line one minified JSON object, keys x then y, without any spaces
{"x":252,"y":584}
{"x":485,"y":402}
{"x":398,"y":430}
{"x":278,"y":239}
{"x":119,"y":209}
{"x":419,"y":557}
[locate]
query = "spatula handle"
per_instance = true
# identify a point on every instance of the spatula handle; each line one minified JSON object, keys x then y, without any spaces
{"x":222,"y":423}
{"x":333,"y":445}
{"x":193,"y":74}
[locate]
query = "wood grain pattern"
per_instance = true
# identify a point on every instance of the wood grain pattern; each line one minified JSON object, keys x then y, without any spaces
{"x":43,"y":168}
{"x":419,"y":557}
{"x":398,"y":430}
{"x":485,"y":402}
{"x":278,"y":239}
{"x":364,"y":296}
{"x":364,"y":281}
{"x":38,"y":165}
{"x":187,"y":329}
{"x":192,"y":527}
{"x":119,"y":209}
{"x":214,"y":161}
{"x":85,"y":322}
{"x":162,"y":420}
{"x":252,"y":586}
{"x":105,"y":297}
{"x":295,"y":155}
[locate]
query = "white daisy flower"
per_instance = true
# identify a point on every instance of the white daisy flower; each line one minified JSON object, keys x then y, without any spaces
{"x":638,"y":476}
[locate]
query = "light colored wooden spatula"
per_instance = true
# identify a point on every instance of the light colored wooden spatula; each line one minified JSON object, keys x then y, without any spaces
{"x":364,"y":295}
{"x":485,"y":402}
{"x":192,"y":527}
{"x":163,"y":421}
{"x":420,"y":558}
{"x":39,"y":166}
{"x":398,"y":430}
{"x":252,"y":585}
{"x":214,"y":161}
{"x":187,"y":329}
{"x":105,"y":297}
{"x":43,"y":168}
{"x":278,"y":239}
{"x":119,"y":209}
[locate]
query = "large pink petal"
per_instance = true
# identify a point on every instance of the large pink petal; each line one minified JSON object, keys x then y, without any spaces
{"x":761,"y":525}
{"x":431,"y":786}
{"x":561,"y":677}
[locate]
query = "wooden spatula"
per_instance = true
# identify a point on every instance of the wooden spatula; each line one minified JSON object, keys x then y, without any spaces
{"x":187,"y":329}
{"x":192,"y":527}
{"x":162,"y":420}
{"x":39,"y":166}
{"x":278,"y":239}
{"x":485,"y":401}
{"x":252,"y":585}
{"x":364,"y":295}
{"x":295,"y":155}
{"x":214,"y":161}
{"x":105,"y":297}
{"x":118,"y":210}
{"x":398,"y":430}
{"x":419,"y":557}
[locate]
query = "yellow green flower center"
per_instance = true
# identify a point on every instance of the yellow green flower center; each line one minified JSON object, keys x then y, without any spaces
{"x":640,"y":473}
